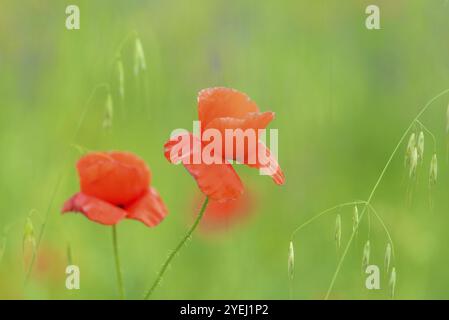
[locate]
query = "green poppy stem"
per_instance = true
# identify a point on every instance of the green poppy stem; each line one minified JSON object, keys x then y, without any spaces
{"x":117,"y":263}
{"x":176,"y":250}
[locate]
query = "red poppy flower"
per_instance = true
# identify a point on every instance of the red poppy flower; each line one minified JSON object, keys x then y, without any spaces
{"x":114,"y":186}
{"x":220,"y":109}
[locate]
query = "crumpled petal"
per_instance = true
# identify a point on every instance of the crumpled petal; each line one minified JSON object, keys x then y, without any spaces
{"x":94,"y":209}
{"x":118,"y":178}
{"x":218,"y":181}
{"x":223,"y":103}
{"x":254,"y":120}
{"x":233,"y":130}
{"x":149,"y":209}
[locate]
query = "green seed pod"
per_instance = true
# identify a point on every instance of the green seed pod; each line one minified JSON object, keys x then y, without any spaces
{"x":291,"y":260}
{"x":338,"y":231}
{"x":433,"y":174}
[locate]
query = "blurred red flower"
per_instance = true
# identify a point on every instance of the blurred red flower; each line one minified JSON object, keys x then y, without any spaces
{"x":114,"y":186}
{"x":221,"y":109}
{"x":222,"y":215}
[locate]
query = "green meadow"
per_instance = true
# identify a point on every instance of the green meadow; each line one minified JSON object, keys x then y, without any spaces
{"x":343,"y":97}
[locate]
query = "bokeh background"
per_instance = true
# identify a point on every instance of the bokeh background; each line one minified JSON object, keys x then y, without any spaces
{"x":343,"y":96}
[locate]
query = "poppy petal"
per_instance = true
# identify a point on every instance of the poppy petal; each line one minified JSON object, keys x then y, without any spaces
{"x":149,"y":209}
{"x":218,"y":181}
{"x":115,"y":177}
{"x":222,"y":103}
{"x":254,"y":120}
{"x":94,"y":209}
{"x":268,"y":164}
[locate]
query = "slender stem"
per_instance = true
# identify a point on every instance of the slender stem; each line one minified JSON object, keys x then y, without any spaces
{"x":58,"y":182}
{"x":118,"y":267}
{"x":177,"y":249}
{"x":376,"y":185}
{"x":384,"y":226}
{"x":318,"y":215}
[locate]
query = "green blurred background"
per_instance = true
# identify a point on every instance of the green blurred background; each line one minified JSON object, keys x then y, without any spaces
{"x":343,"y":96}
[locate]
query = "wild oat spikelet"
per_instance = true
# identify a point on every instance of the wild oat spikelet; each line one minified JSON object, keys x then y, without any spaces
{"x":28,"y":241}
{"x":392,"y":282}
{"x":355,"y":219}
{"x":410,"y":147}
{"x":421,"y":146}
{"x":447,"y":119}
{"x":433,"y":174}
{"x":387,"y":257}
{"x":121,"y":78}
{"x":2,"y":247}
{"x":413,"y":162}
{"x":109,"y":112}
{"x":338,"y":231}
{"x":291,"y":260}
{"x":366,"y":255}
{"x":139,"y":58}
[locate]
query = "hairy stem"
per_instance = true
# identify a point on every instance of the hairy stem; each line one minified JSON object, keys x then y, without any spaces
{"x":176,"y":250}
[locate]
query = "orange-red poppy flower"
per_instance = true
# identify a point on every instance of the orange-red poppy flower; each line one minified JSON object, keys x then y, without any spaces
{"x":114,"y":186}
{"x":220,"y":109}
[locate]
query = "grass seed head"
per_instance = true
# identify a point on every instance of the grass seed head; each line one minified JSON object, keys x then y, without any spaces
{"x":447,"y":119}
{"x":121,"y":78}
{"x":433,"y":174}
{"x":392,"y":282}
{"x":387,"y":257}
{"x":338,"y":231}
{"x":413,"y":162}
{"x":291,"y":260}
{"x":2,"y":247}
{"x":139,"y":58}
{"x":355,"y":219}
{"x":109,"y":112}
{"x":410,"y":147}
{"x":421,"y":146}
{"x":366,"y":255}
{"x":28,"y":241}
